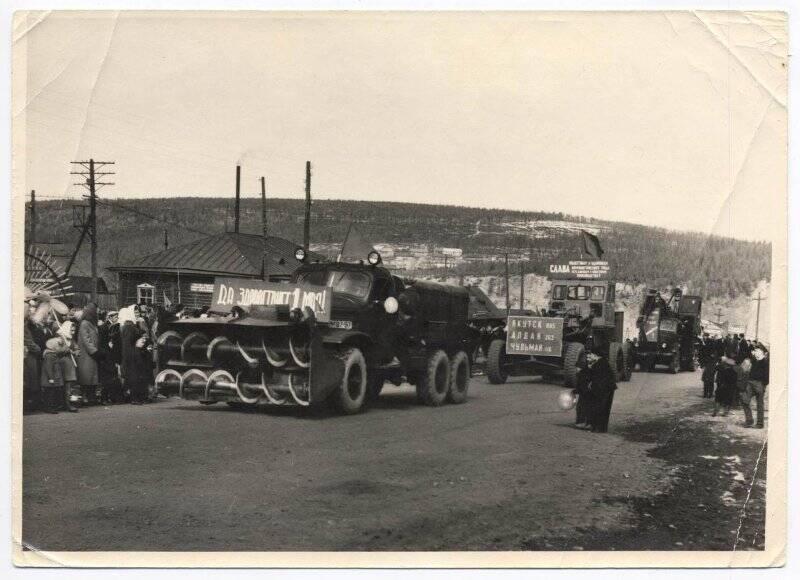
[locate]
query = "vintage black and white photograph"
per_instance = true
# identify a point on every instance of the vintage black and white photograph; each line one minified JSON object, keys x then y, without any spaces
{"x":507,"y":288}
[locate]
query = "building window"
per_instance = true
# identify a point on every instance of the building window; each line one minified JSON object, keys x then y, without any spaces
{"x":145,"y":293}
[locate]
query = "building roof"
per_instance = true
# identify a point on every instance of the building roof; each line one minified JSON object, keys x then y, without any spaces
{"x":223,"y":254}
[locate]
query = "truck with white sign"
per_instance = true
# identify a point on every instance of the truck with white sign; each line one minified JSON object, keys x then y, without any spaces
{"x":333,"y":335}
{"x":580,"y":318}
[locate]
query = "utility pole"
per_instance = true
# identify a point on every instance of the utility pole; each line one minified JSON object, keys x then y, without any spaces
{"x":508,"y":290}
{"x":719,"y":315}
{"x":32,"y":236}
{"x":521,"y":285}
{"x":758,"y":311}
{"x":166,"y":239}
{"x":307,"y":222}
{"x":90,"y":227}
{"x":264,"y":227}
{"x":236,"y":207}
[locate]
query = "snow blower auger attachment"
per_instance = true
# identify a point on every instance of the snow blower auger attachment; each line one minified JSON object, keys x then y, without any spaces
{"x":336,"y":334}
{"x":251,"y":353}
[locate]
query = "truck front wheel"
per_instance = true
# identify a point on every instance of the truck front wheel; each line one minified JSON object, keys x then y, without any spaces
{"x":574,"y":361}
{"x":350,"y":396}
{"x":495,"y":361}
{"x":459,"y":378}
{"x":435,"y":380}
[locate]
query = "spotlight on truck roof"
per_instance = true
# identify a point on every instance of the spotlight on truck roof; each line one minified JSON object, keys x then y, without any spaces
{"x":374,"y":258}
{"x":300,"y":254}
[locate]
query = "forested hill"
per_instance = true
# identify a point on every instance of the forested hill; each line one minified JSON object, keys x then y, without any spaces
{"x":657,"y":257}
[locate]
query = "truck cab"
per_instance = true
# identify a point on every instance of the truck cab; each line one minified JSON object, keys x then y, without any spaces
{"x":578,"y":299}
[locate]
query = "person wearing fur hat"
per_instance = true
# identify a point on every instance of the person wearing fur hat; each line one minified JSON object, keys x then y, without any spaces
{"x":602,"y":385}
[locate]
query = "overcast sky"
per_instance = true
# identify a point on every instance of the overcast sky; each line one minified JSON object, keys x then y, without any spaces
{"x":669,"y":119}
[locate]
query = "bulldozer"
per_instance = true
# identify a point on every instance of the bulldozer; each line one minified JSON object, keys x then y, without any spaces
{"x":333,"y":335}
{"x":668,"y":330}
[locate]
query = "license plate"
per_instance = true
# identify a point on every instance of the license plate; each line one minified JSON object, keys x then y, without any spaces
{"x":347,"y":324}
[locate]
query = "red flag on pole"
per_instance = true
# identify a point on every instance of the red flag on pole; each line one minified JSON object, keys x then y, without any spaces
{"x":591,"y":244}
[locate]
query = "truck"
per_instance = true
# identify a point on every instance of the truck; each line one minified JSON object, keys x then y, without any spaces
{"x":668,"y":330}
{"x":333,"y":335}
{"x":580,"y":318}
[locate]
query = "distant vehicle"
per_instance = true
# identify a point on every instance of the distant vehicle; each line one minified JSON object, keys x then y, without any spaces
{"x":334,"y":335}
{"x":668,"y":331}
{"x":581,"y":318}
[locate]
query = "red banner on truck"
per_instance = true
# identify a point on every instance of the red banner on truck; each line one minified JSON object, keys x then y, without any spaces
{"x":534,"y":335}
{"x":230,"y":292}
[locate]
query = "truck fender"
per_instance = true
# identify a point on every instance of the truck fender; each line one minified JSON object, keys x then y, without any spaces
{"x":339,"y":336}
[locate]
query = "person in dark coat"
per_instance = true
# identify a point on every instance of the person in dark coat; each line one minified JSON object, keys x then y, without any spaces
{"x":107,"y":373}
{"x":582,"y":406}
{"x":89,"y":354}
{"x":725,"y":395}
{"x":602,"y":384}
{"x":135,"y":363}
{"x":708,"y":362}
{"x":32,"y":352}
{"x":757,"y":382}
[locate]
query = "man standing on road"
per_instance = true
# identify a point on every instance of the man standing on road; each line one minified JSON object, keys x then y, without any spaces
{"x":756,"y":387}
{"x":601,"y":390}
{"x":708,"y":363}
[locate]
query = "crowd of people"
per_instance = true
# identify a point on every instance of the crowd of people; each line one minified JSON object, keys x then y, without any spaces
{"x":77,"y":357}
{"x":735,"y":372}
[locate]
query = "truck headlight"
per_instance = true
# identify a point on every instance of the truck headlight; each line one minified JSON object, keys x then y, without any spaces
{"x":300,"y":255}
{"x":663,"y":345}
{"x":374,"y":258}
{"x":390,"y":305}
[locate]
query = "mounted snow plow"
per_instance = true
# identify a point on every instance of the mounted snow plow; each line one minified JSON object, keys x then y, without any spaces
{"x":335,"y":334}
{"x":268,"y":354}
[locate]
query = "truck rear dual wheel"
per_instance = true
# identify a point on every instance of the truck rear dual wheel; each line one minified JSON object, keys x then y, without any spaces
{"x":434,"y":381}
{"x":619,"y":359}
{"x":459,"y":378}
{"x":495,"y":362}
{"x":349,"y":398}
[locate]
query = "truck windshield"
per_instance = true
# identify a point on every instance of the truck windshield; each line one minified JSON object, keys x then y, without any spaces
{"x":559,"y":292}
{"x":598,"y":292}
{"x":340,"y":281}
{"x":577,"y":292}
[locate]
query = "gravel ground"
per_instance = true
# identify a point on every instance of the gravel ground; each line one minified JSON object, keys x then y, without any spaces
{"x":505,"y":471}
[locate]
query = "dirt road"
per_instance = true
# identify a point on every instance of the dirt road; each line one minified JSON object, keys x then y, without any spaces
{"x":505,"y":471}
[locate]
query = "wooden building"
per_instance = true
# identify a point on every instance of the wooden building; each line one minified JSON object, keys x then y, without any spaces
{"x":185,"y":274}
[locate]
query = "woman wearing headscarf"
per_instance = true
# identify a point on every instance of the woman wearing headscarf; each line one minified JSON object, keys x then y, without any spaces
{"x":52,"y":381}
{"x":89,"y":353}
{"x":134,"y":364}
{"x":67,"y":350}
